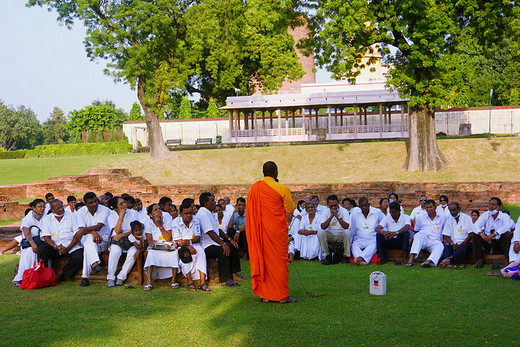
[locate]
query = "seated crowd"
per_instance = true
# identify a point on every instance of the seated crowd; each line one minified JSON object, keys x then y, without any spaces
{"x":173,"y":240}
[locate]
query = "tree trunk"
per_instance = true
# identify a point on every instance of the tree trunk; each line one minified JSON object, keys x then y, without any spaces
{"x":423,"y":153}
{"x":158,"y":149}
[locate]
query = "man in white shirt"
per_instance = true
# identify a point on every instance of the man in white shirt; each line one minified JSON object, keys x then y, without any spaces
{"x":514,"y":249}
{"x":393,"y":232}
{"x":443,"y":207}
{"x":217,"y":244}
{"x":363,"y":223}
{"x":60,"y":233}
{"x":93,"y":226}
{"x":319,"y":208}
{"x":186,"y":233}
{"x":419,"y":210}
{"x":493,"y":230}
{"x":334,"y":228}
{"x":228,"y":212}
{"x":71,"y":204}
{"x":48,"y":198}
{"x":229,"y":205}
{"x":428,"y":235}
{"x":456,"y":236}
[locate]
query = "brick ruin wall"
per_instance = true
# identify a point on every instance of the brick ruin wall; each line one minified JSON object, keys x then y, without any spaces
{"x":471,"y":195}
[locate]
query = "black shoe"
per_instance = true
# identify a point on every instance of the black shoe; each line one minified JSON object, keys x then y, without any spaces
{"x":84,"y":282}
{"x":327,"y":260}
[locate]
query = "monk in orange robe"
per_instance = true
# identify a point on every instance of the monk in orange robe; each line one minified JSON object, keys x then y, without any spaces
{"x":269,"y":208}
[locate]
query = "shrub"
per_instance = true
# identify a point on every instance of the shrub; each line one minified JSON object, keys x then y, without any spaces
{"x":74,"y":149}
{"x":113,"y":136}
{"x":13,"y":154}
{"x":90,"y":137}
{"x":100,"y":136}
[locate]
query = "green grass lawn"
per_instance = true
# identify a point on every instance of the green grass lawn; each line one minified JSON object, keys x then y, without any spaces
{"x":425,"y":307}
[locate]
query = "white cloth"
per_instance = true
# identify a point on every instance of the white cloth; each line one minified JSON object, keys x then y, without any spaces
{"x":61,"y":232}
{"x":197,"y":264}
{"x":443,"y":210}
{"x":157,"y":258}
{"x":363,"y":229}
{"x":207,"y":223}
{"x":27,"y":258}
{"x":308,"y":245}
{"x":486,"y":223}
{"x":47,"y":208}
{"x":458,"y":231}
{"x":225,"y":221}
{"x":516,"y":238}
{"x":334,"y":227}
{"x":129,"y":217}
{"x":364,"y":248}
{"x":389,"y":224}
{"x":180,"y":231}
{"x":428,"y":235}
{"x":68,"y":209}
{"x":18,"y":239}
{"x":87,"y":219}
{"x":142,"y":216}
{"x":435,"y":247}
{"x":29,"y":221}
{"x":113,"y":260}
{"x":416,"y":212}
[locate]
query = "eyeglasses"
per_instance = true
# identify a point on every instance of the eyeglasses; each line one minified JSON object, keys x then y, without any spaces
{"x":422,"y":199}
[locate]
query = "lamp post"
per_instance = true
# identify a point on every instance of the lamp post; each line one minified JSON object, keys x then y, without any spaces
{"x":490,"y":95}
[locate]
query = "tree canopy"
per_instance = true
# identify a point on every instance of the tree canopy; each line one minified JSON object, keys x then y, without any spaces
{"x":98,"y":116}
{"x":418,"y":39}
{"x":19,"y":127}
{"x":54,"y":127}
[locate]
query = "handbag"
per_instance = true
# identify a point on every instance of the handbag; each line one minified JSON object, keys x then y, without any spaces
{"x":164,"y":246}
{"x":124,"y":243}
{"x":37,"y":239}
{"x":38,"y":276}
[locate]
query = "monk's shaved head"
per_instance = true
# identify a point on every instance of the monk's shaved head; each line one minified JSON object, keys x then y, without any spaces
{"x":270,"y":169}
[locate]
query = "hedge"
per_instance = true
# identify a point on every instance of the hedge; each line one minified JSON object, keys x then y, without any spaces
{"x":13,"y":154}
{"x":74,"y":149}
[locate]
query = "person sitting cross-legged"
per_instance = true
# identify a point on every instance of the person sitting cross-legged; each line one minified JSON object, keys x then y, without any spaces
{"x":393,"y":232}
{"x":334,"y":228}
{"x":428,"y":235}
{"x":186,"y":233}
{"x":307,"y":235}
{"x":363,"y":223}
{"x":456,"y":237}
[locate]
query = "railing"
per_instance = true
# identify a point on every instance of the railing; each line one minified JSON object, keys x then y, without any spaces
{"x":267,"y":132}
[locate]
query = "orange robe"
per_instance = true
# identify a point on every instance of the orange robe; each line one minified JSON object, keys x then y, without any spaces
{"x":267,"y":238}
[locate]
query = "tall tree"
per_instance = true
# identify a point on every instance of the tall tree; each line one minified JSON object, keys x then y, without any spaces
{"x":416,"y":37}
{"x":54,"y":127}
{"x":19,"y":127}
{"x":98,"y":116}
{"x":166,"y":47}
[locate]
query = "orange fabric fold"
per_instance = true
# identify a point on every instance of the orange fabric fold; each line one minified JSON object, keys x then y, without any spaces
{"x":267,"y":239}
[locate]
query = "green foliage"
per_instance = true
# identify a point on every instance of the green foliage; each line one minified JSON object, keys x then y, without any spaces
{"x":77,"y":138}
{"x":97,"y":116}
{"x":99,"y":138}
{"x":90,"y":137}
{"x":135,"y":112}
{"x":19,"y":128}
{"x":185,"y":109}
{"x":125,"y":138}
{"x":113,"y":136}
{"x":213,"y":111}
{"x":416,"y":37}
{"x":54,"y":127}
{"x":75,"y":149}
{"x":13,"y":154}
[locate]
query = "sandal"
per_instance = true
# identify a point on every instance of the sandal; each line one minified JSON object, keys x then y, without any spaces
{"x":264,"y":300}
{"x":289,"y":300}
{"x":175,"y":285}
{"x":191,"y":287}
{"x":147,"y":287}
{"x":204,"y":287}
{"x":409,"y":264}
{"x":493,"y":273}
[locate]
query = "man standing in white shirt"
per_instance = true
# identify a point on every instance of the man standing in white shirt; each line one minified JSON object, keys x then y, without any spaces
{"x":428,"y":235}
{"x":334,"y":228}
{"x":60,"y":233}
{"x":363,"y":223}
{"x":393,"y":232}
{"x":456,"y":236}
{"x":419,"y":210}
{"x":217,"y":244}
{"x":493,"y":230}
{"x":93,"y":226}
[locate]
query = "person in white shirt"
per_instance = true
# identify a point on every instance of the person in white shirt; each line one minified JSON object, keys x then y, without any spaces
{"x":514,"y":249}
{"x":217,"y":244}
{"x":319,"y":208}
{"x":61,"y":235}
{"x":119,"y":221}
{"x":363,"y":223}
{"x":443,"y":207}
{"x":93,"y":226}
{"x":428,"y":235}
{"x":141,"y":211}
{"x":48,"y":198}
{"x":236,"y":228}
{"x":229,"y":205}
{"x":306,"y":239}
{"x":227,"y":211}
{"x":384,"y":205}
{"x":169,"y":212}
{"x":221,"y":218}
{"x":393,"y":232}
{"x":394,"y":197}
{"x":419,"y":210}
{"x":158,"y":230}
{"x":31,"y":228}
{"x":71,"y":203}
{"x":474,"y":216}
{"x":492,"y":230}
{"x":186,"y":232}
{"x":456,"y":236}
{"x":334,"y":228}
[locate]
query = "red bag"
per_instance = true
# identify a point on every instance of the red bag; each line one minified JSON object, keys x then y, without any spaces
{"x":38,"y":277}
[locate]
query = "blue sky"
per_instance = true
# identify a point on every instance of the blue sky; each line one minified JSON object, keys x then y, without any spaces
{"x":43,"y":64}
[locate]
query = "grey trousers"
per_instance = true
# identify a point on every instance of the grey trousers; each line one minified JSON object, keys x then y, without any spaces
{"x":325,"y":237}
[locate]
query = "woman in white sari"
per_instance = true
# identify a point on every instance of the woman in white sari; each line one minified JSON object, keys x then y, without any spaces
{"x":307,"y":235}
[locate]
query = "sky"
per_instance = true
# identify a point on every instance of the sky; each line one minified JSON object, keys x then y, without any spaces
{"x":43,"y":64}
